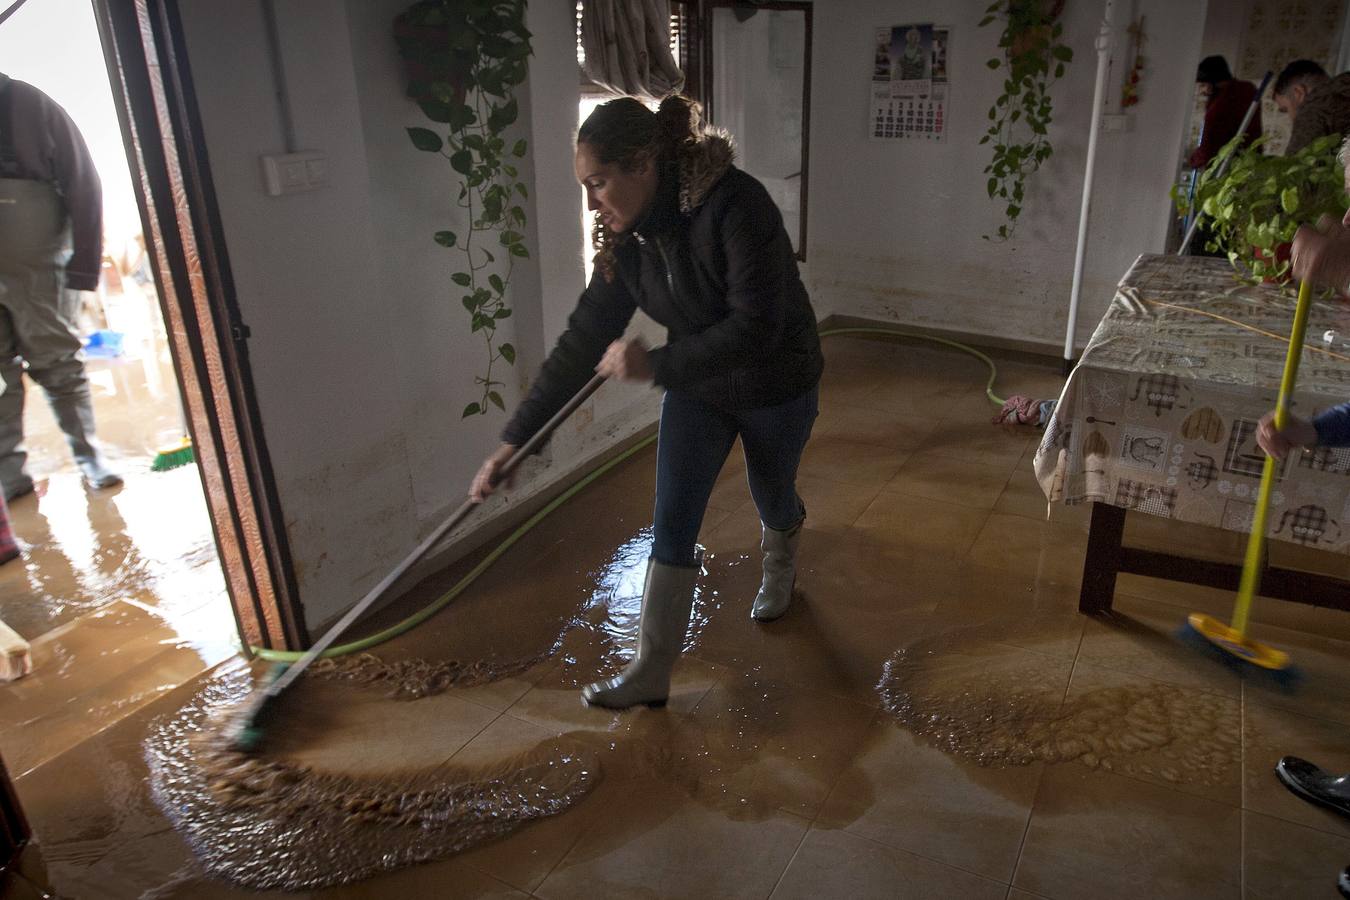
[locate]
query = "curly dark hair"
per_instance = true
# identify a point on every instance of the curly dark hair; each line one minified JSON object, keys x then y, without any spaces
{"x":624,"y":132}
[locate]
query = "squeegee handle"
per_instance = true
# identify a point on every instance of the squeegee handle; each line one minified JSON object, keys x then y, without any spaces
{"x":1251,"y":564}
{"x":522,"y":453}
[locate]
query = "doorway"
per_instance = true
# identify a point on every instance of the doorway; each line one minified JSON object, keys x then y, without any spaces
{"x":129,"y":591}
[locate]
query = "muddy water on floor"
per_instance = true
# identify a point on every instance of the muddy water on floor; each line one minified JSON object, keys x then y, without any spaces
{"x":411,"y":679}
{"x":998,"y":716}
{"x":266,"y":823}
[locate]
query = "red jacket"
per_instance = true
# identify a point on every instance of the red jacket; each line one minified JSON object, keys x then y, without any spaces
{"x":1223,"y":116}
{"x":49,"y":148}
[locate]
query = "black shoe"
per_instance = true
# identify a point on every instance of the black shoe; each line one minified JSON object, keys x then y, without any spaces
{"x":1315,"y":786}
{"x":1343,"y":883}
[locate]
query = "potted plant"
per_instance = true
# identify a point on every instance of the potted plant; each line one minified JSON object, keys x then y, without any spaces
{"x":1255,"y":207}
{"x":1032,"y":56}
{"x":464,"y":60}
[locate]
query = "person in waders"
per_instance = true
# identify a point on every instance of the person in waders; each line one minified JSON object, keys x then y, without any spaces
{"x":51,"y":249}
{"x":698,"y":245}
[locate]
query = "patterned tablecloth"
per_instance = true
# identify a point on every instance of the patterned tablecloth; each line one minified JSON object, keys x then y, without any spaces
{"x":1160,"y":415}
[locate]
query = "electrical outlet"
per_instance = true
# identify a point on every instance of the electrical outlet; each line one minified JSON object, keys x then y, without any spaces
{"x":291,"y":173}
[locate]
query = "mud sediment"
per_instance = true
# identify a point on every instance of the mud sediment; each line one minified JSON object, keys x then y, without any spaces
{"x":270,"y":824}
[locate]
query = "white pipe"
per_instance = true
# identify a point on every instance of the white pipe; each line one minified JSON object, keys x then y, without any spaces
{"x":1098,"y":96}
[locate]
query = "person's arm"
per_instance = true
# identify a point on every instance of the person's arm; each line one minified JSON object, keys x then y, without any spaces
{"x":1333,"y":426}
{"x":750,"y":230}
{"x":599,"y":319}
{"x":77,"y":180}
{"x":1210,"y":138}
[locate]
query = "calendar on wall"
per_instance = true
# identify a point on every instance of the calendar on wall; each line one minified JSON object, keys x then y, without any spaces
{"x":909,"y":83}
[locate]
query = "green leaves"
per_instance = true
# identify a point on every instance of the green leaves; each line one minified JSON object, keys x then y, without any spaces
{"x":1261,"y":200}
{"x":1033,"y":58}
{"x":1289,"y":200}
{"x":425,"y":139}
{"x":465,"y":60}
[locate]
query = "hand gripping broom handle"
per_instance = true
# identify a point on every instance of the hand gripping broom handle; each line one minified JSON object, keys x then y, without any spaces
{"x":1251,"y":565}
{"x":316,"y":650}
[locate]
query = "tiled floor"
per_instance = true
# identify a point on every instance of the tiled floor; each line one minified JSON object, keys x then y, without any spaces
{"x":119,"y":590}
{"x":776,"y":771}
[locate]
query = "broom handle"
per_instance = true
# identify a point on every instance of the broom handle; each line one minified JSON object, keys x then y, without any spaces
{"x":330,"y":637}
{"x":1223,"y":163}
{"x":1251,"y":565}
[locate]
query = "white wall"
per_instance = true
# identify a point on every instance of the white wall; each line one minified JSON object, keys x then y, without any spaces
{"x":901,"y":239}
{"x":361,"y":352}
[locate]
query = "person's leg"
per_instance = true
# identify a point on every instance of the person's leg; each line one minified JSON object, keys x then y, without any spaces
{"x":13,"y":479}
{"x":49,"y":343}
{"x":774,"y":438}
{"x":693,"y":444}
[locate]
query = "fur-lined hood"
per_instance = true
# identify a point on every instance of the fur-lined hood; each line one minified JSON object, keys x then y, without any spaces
{"x":702,"y":165}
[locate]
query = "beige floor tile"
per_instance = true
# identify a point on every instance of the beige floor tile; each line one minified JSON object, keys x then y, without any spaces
{"x":861,"y":424}
{"x":1157,"y":732}
{"x":659,"y":843}
{"x":922,"y":526}
{"x":909,"y":796}
{"x":449,"y":879}
{"x":1022,"y":496}
{"x":834,"y":504}
{"x":1140,"y":638}
{"x":1035,"y":615}
{"x":1269,"y":734}
{"x":1322,"y":673}
{"x":526,"y":856}
{"x":1094,"y":834}
{"x":779,"y":744}
{"x":978,"y":441}
{"x":1049,"y":552}
{"x":831,"y":458}
{"x":839,"y":864}
{"x":1285,"y":860}
{"x":555,"y":704}
{"x":338,"y":727}
{"x":852,"y":609}
{"x":939,"y":477}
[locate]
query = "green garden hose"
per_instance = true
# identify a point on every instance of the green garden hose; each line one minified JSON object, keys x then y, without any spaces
{"x":417,"y":618}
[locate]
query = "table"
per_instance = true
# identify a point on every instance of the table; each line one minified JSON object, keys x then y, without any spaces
{"x":1159,"y":417}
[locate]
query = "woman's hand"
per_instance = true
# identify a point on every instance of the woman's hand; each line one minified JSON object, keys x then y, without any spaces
{"x":1299,"y":433}
{"x":485,"y":482}
{"x":1321,"y":254}
{"x":626,"y":360}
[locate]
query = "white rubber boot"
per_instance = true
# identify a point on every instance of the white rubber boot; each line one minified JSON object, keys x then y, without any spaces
{"x":780,"y":572}
{"x":667,"y":601}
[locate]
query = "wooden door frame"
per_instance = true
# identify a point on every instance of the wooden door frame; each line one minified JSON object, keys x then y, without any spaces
{"x":146,"y":55}
{"x":701,"y":11}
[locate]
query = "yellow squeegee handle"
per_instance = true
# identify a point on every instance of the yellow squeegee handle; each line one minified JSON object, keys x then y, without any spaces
{"x":1251,"y":565}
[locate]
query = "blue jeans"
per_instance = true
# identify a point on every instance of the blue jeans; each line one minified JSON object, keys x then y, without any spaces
{"x":694,"y":441}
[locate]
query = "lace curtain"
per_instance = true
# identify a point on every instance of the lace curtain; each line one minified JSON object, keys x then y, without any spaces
{"x":627,"y":47}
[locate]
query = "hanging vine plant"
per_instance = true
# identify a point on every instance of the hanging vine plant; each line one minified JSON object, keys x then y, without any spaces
{"x":464,"y":60}
{"x":1033,"y":58}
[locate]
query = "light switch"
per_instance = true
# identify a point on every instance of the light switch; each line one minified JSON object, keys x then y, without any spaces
{"x":290,"y":173}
